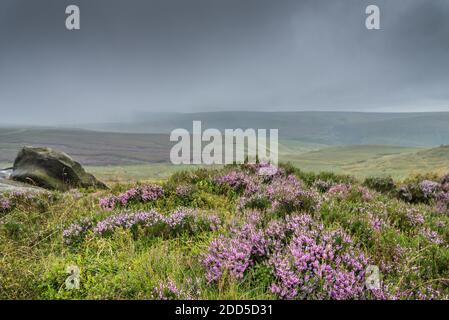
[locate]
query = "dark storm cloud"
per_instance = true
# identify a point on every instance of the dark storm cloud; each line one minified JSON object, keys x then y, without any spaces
{"x":206,"y":55}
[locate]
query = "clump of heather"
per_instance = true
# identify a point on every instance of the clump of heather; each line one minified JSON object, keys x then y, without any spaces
{"x":428,"y":192}
{"x":126,"y":221}
{"x":283,"y":195}
{"x":431,"y":236}
{"x":238,"y":181}
{"x":77,"y":231}
{"x":322,"y":186}
{"x":319,"y":264}
{"x":183,"y":190}
{"x":143,"y":194}
{"x":266,"y":171}
{"x":421,"y":192}
{"x":442,"y":203}
{"x":233,"y":255}
{"x":5,"y":205}
{"x":306,"y":260}
{"x":288,"y":195}
{"x":10,"y":200}
{"x":429,"y":188}
{"x":345,"y":191}
{"x":168,"y":290}
{"x":178,"y":221}
{"x":415,"y":217}
{"x":341,"y":189}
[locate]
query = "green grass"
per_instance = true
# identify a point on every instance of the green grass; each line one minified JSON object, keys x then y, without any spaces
{"x":140,"y":172}
{"x":360,"y":161}
{"x":345,"y":159}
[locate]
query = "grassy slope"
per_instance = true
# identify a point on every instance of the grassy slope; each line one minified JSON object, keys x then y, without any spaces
{"x":361,"y":160}
{"x":434,"y":160}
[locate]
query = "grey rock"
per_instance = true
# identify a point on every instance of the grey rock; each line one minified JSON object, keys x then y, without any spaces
{"x":50,"y":169}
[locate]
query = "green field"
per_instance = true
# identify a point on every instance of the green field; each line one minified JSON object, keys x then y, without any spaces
{"x":360,"y":161}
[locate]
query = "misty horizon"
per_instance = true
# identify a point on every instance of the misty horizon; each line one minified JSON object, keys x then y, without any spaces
{"x":140,"y":57}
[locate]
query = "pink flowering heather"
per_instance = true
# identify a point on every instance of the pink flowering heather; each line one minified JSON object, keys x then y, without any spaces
{"x":341,"y":190}
{"x":168,"y":290}
{"x":227,"y":256}
{"x":214,"y":221}
{"x":288,"y":195}
{"x":238,"y":181}
{"x":307,"y":261}
{"x":322,"y":186}
{"x":269,"y":171}
{"x":145,"y":193}
{"x":126,"y":221}
{"x":183,"y":191}
{"x":318,"y":264}
{"x":183,"y":219}
{"x":414,"y":217}
{"x":442,"y":203}
{"x":432,"y":236}
{"x":429,"y":188}
{"x":233,"y":255}
{"x":5,"y":205}
{"x":75,"y":232}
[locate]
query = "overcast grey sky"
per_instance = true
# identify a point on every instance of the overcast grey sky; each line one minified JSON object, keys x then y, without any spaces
{"x":209,"y":55}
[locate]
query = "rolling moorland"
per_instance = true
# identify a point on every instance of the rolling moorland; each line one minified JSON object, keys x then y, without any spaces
{"x":361,"y":144}
{"x":235,"y":232}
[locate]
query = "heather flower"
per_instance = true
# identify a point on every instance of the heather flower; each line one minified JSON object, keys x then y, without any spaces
{"x":225,"y":255}
{"x":168,"y":290}
{"x":288,"y":195}
{"x":341,"y":190}
{"x":238,"y":181}
{"x":324,"y":264}
{"x":432,"y":236}
{"x":214,"y":221}
{"x":5,"y":205}
{"x":177,"y":221}
{"x":322,"y":186}
{"x":365,"y":193}
{"x":414,"y":217}
{"x":183,"y":191}
{"x":267,"y":170}
{"x":344,"y":190}
{"x":376,"y":222}
{"x":233,"y":255}
{"x":76,"y":231}
{"x":145,"y":193}
{"x":442,"y":203}
{"x":429,"y":188}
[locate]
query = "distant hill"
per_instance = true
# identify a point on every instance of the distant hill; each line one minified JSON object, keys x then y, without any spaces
{"x":329,"y":128}
{"x":374,"y":160}
{"x":88,"y":147}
